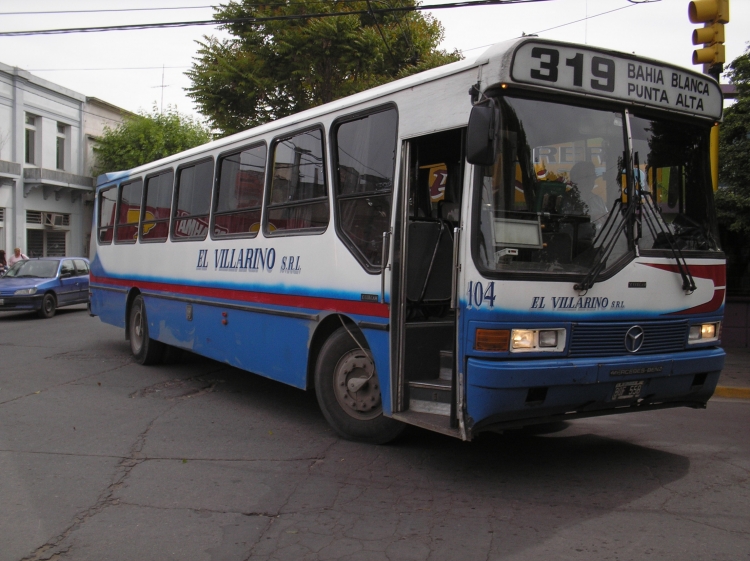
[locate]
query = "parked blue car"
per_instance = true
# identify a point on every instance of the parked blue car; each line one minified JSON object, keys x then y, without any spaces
{"x":45,"y":284}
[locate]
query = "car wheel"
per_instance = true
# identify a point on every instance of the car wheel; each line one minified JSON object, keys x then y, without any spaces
{"x":144,"y":349}
{"x":49,"y":306}
{"x":348,"y":391}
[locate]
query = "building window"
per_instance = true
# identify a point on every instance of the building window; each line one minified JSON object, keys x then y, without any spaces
{"x":30,"y":139}
{"x":46,"y":243}
{"x":62,"y":130}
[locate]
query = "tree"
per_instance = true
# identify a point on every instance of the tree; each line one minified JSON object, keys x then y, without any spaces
{"x":272,"y":69}
{"x":145,"y":138}
{"x":733,"y":201}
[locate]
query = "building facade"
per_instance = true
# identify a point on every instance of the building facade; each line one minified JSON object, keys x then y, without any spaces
{"x":47,"y":134}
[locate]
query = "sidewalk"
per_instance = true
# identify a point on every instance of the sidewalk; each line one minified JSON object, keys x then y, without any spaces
{"x":735,"y":378}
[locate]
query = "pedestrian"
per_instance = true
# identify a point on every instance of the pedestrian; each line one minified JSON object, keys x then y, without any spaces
{"x":16,"y":257}
{"x":3,"y":262}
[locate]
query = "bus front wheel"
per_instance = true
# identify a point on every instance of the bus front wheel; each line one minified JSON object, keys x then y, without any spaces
{"x":348,"y":391}
{"x":144,"y":349}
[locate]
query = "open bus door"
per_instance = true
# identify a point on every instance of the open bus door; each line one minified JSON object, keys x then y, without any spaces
{"x":424,"y":338}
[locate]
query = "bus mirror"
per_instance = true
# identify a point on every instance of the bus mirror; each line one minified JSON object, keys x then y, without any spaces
{"x":480,"y":144}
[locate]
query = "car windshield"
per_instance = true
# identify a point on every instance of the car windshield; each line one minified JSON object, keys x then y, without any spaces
{"x":554,"y":182}
{"x":553,"y":200}
{"x":35,"y":269}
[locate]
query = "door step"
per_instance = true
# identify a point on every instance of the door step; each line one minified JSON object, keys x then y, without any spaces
{"x":437,"y":423}
{"x":430,"y":396}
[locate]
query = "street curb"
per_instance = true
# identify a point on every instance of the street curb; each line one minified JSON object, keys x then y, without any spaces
{"x":729,"y":391}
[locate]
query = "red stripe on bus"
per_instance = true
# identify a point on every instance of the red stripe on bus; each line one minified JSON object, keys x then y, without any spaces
{"x":308,"y":302}
{"x":717,"y":273}
{"x":710,"y":306}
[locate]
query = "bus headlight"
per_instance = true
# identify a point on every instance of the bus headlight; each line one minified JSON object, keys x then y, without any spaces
{"x":523,"y":339}
{"x":704,"y":332}
{"x":537,"y":340}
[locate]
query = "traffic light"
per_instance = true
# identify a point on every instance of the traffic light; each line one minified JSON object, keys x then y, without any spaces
{"x":713,"y":14}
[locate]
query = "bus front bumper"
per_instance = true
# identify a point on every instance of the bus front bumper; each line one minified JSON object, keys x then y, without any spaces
{"x":512,"y":394}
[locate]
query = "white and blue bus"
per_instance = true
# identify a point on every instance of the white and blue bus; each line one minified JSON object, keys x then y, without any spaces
{"x":522,"y":237}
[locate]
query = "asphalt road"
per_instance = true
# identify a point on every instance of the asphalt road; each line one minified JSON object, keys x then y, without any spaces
{"x":105,"y":460}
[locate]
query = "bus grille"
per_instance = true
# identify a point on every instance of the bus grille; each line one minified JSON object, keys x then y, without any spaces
{"x":608,"y":339}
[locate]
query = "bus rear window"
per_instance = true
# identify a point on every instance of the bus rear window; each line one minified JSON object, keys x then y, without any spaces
{"x":107,"y":205}
{"x":240,"y":193}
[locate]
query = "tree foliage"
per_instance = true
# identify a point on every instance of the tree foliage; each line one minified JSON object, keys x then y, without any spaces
{"x":147,"y":137}
{"x":733,"y":201}
{"x":272,"y":69}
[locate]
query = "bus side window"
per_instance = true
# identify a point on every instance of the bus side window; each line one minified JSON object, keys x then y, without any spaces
{"x":128,"y":211}
{"x":239,"y":196}
{"x":298,"y":198}
{"x":107,"y":205}
{"x":193,"y":201}
{"x":365,"y":160}
{"x":157,"y":202}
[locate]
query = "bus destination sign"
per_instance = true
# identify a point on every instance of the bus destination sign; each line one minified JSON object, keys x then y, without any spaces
{"x":603,"y":74}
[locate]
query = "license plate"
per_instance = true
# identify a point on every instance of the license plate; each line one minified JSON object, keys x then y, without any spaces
{"x":627,"y":390}
{"x":2,"y":301}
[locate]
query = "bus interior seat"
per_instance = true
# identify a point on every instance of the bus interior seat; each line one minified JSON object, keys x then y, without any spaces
{"x":430,"y":254}
{"x":558,"y":248}
{"x":449,"y":211}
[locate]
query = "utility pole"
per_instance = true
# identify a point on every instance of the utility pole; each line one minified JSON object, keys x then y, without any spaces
{"x":161,"y":107}
{"x":713,"y":14}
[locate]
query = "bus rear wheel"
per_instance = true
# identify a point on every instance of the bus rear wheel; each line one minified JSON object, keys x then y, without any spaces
{"x":348,"y":391}
{"x":144,"y":349}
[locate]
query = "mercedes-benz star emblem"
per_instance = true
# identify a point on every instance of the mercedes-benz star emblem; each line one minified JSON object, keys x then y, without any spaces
{"x":634,"y":339}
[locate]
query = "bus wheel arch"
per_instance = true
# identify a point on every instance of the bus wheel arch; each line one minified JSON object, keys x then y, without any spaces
{"x":348,"y":389}
{"x":145,"y":349}
{"x":132,"y":293}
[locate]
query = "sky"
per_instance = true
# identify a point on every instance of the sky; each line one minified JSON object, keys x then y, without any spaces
{"x":139,"y":70}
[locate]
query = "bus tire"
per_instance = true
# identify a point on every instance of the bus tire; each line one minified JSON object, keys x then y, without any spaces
{"x":351,"y":405}
{"x":49,"y":306}
{"x":145,"y":349}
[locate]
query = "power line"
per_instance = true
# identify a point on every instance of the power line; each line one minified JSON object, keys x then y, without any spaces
{"x":103,"y":11}
{"x":255,"y":5}
{"x":466,"y":4}
{"x":632,"y":5}
{"x":100,"y":69}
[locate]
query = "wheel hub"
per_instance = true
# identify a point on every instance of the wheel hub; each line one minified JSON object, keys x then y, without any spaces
{"x":356,"y":385}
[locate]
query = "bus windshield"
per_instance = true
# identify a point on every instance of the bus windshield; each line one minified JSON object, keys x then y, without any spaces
{"x":553,"y":198}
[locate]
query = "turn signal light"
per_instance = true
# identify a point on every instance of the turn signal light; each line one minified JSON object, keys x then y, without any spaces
{"x":492,"y":340}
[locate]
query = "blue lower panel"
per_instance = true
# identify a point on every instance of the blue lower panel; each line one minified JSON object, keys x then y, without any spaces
{"x":269,"y":345}
{"x":499,"y":391}
{"x":109,"y":305}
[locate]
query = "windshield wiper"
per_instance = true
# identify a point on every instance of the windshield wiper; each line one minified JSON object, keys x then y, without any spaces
{"x":655,"y":222}
{"x":688,"y":283}
{"x":609,"y":234}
